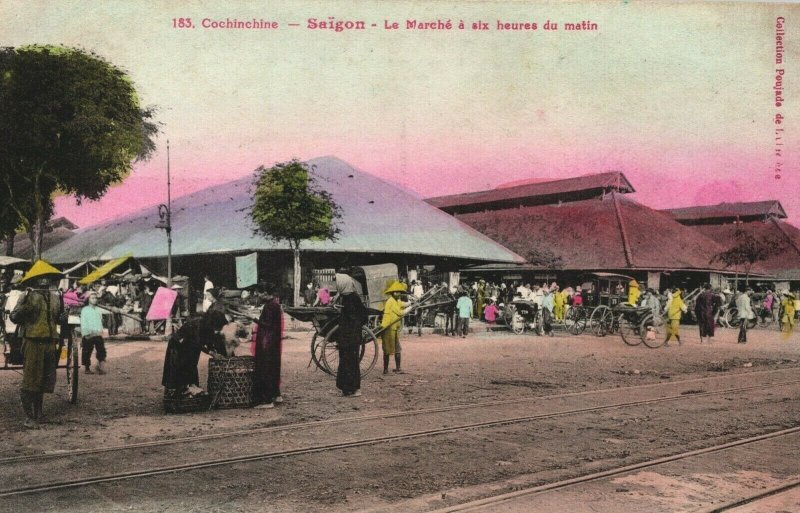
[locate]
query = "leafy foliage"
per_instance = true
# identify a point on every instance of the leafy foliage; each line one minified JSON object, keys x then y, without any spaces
{"x":70,"y":123}
{"x":289,"y":206}
{"x":748,"y":250}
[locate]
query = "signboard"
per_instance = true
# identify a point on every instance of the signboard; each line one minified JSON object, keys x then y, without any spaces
{"x":246,"y":270}
{"x":161,"y":307}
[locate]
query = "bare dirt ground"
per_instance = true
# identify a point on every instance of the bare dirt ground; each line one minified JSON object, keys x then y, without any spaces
{"x":125,"y":406}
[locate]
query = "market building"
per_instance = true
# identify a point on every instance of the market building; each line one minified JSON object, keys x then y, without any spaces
{"x":765,"y":221}
{"x":380,"y":223}
{"x":586,"y":224}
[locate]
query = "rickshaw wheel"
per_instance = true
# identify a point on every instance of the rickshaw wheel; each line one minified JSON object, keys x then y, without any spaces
{"x":732,"y":317}
{"x":600,"y":321}
{"x":627,"y":331}
{"x":316,"y":353}
{"x":368,"y":354}
{"x":517,"y":323}
{"x":656,"y":324}
{"x":72,"y":371}
{"x":575,"y":320}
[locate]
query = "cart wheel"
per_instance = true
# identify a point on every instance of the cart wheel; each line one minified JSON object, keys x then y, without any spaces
{"x":316,"y":352}
{"x":580,"y":322}
{"x":651,"y":331}
{"x":517,"y":323}
{"x":628,"y":331}
{"x":575,"y":321}
{"x":751,"y":323}
{"x":72,"y":370}
{"x":369,"y":351}
{"x":368,"y":354}
{"x":600,"y":321}
{"x":732,"y":317}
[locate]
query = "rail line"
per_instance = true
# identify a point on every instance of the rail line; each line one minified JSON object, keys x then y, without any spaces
{"x":360,"y":418}
{"x":498,"y":499}
{"x":755,"y":498}
{"x":361,"y":443}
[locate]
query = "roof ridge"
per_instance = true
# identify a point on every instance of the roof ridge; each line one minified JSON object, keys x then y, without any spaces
{"x":785,"y":234}
{"x":626,"y":246}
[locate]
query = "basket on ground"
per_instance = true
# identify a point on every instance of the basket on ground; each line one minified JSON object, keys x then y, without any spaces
{"x":230,"y":381}
{"x":176,"y":401}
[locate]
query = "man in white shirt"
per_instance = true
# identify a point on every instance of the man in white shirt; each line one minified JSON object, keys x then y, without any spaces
{"x":208,"y":285}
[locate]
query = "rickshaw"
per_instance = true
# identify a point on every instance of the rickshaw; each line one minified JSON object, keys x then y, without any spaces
{"x":606,"y":294}
{"x":13,"y":358}
{"x":324,"y":350}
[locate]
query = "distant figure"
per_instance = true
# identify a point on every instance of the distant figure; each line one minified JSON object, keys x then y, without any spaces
{"x":548,"y":303}
{"x":633,"y":293}
{"x":490,"y":312}
{"x":464,"y":307}
{"x":309,"y":295}
{"x":323,"y":297}
{"x":207,"y":285}
{"x":393,"y":312}
{"x":269,"y":345}
{"x":744,"y":305}
{"x":787,"y":317}
{"x":92,"y":335}
{"x":706,"y":307}
{"x":674,"y":312}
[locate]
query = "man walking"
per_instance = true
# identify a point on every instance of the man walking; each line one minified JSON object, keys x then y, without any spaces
{"x":705,"y":308}
{"x":744,"y":305}
{"x":464,"y":307}
{"x":92,"y":335}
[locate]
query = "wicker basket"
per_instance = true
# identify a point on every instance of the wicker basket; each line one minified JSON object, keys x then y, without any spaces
{"x":178,"y":402}
{"x":230,"y":381}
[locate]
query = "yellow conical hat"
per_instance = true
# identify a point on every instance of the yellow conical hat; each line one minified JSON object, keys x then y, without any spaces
{"x":395,"y":287}
{"x":41,"y":269}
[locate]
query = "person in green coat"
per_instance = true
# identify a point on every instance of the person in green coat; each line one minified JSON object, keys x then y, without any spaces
{"x":38,"y":314}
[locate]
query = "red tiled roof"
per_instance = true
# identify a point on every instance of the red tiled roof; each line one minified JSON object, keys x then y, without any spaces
{"x":587,"y":235}
{"x":729,"y":211}
{"x":578,"y":188}
{"x":785,"y":264}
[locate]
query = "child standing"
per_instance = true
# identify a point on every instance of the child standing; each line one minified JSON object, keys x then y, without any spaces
{"x":464,"y":307}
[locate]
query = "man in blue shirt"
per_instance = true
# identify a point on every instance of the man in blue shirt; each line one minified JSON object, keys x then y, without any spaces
{"x":92,"y":333}
{"x":464,"y":307}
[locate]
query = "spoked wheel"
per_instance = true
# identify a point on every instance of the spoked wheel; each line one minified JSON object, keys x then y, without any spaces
{"x":368,"y":353}
{"x":575,"y":321}
{"x":601,"y":320}
{"x":316,"y":351}
{"x":732,"y":317}
{"x":628,"y":331}
{"x":653,"y":331}
{"x":73,"y":367}
{"x":517,"y":323}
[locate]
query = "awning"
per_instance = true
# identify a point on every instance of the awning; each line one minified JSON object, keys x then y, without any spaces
{"x":104,"y":270}
{"x":9,"y":260}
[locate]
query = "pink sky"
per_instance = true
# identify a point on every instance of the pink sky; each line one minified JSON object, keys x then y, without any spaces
{"x":678,"y":96}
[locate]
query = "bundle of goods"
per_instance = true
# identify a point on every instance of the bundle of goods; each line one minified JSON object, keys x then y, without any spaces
{"x":193,"y":399}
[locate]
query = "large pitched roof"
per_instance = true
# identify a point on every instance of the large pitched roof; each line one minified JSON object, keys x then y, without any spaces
{"x":377,"y":217}
{"x":727,"y":212}
{"x":785,"y":264}
{"x":610,"y":233}
{"x":541,"y":193}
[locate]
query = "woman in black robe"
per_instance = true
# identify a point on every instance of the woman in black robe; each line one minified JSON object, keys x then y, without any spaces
{"x":348,"y":337}
{"x":185,"y":345}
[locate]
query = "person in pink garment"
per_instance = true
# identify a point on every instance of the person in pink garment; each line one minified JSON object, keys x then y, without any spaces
{"x":490,"y":312}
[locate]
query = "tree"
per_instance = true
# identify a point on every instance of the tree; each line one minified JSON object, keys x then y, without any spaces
{"x":747,"y":251}
{"x":70,"y":123}
{"x":288,"y":206}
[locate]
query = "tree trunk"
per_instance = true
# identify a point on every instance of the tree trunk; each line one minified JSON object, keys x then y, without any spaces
{"x":10,"y":237}
{"x":36,"y":235}
{"x":296,"y":278}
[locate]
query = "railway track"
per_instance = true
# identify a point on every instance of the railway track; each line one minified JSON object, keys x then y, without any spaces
{"x":494,"y":502}
{"x":386,"y":416}
{"x":730,"y":506}
{"x":318,"y":448}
